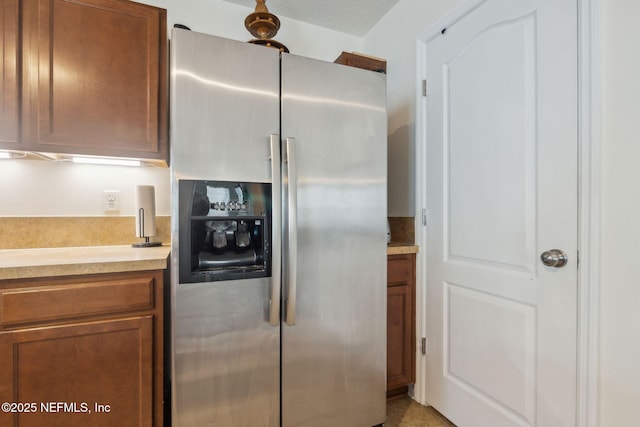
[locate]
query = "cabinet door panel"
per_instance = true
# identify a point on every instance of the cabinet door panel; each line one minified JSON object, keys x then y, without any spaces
{"x":104,"y":362}
{"x":100,"y":64}
{"x":399,"y":337}
{"x":9,"y":75}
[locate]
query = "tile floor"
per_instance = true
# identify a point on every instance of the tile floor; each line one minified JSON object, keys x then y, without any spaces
{"x":405,"y":412}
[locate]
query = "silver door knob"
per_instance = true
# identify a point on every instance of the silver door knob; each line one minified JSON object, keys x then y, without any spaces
{"x":554,"y":258}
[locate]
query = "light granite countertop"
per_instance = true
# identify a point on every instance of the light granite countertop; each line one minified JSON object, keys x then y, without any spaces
{"x":396,"y":248}
{"x":46,"y":262}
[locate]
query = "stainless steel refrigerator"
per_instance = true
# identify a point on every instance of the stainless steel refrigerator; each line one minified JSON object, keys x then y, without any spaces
{"x":278,"y":263}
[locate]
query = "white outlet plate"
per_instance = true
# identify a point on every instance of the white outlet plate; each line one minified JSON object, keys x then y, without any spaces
{"x":111,"y":200}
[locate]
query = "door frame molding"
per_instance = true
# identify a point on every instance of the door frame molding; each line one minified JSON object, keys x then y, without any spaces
{"x":589,"y":209}
{"x":589,"y":201}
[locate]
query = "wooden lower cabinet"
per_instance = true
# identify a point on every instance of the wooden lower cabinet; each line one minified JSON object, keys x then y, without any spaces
{"x":102,"y":368}
{"x":401,"y":341}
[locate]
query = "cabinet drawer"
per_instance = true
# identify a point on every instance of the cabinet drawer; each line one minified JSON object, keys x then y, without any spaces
{"x":400,"y":269}
{"x":80,"y":299}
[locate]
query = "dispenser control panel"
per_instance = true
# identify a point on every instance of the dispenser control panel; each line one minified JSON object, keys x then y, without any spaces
{"x":224,"y":233}
{"x":230,"y":206}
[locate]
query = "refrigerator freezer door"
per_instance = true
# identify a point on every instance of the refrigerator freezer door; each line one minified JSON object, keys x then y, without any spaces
{"x":226,"y":357}
{"x":224,"y":106}
{"x":334,"y":355}
{"x":225,"y":341}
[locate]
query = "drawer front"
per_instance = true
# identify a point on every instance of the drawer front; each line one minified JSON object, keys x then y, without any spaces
{"x":400,"y":269}
{"x":61,"y":301}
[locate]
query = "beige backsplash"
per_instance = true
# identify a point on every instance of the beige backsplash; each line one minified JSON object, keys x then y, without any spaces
{"x":402,"y":229}
{"x":52,"y":232}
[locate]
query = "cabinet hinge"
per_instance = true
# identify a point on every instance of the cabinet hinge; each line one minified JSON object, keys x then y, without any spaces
{"x":423,"y":346}
{"x":424,"y":87}
{"x":424,"y":217}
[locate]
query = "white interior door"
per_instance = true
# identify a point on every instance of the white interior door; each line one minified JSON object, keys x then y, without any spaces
{"x":501,"y":189}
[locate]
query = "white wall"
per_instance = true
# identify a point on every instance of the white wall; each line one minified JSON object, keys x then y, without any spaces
{"x":394,"y":38}
{"x":40,"y":188}
{"x":49,"y":188}
{"x":620,"y":269}
{"x":227,"y":20}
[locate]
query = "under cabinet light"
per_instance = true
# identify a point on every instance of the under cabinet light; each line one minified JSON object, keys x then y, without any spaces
{"x":12,"y":154}
{"x":104,"y":161}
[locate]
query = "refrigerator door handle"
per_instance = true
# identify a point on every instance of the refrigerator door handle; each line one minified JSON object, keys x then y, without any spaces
{"x":292,"y":230}
{"x":276,"y":232}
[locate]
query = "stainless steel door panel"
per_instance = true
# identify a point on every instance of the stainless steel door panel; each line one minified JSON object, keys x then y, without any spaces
{"x":224,"y":106}
{"x":334,"y":356}
{"x":226,"y":366}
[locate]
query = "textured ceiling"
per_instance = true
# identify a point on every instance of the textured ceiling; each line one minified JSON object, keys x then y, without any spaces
{"x":348,"y":16}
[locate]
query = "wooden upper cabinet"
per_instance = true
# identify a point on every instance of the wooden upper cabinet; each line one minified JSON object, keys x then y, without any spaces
{"x":9,"y":75}
{"x":95,"y":78}
{"x":359,"y":60}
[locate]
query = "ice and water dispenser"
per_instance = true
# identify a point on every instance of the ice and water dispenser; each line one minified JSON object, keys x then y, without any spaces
{"x":224,"y":230}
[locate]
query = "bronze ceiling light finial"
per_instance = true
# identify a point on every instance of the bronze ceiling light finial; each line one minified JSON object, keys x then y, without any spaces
{"x":264,"y":26}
